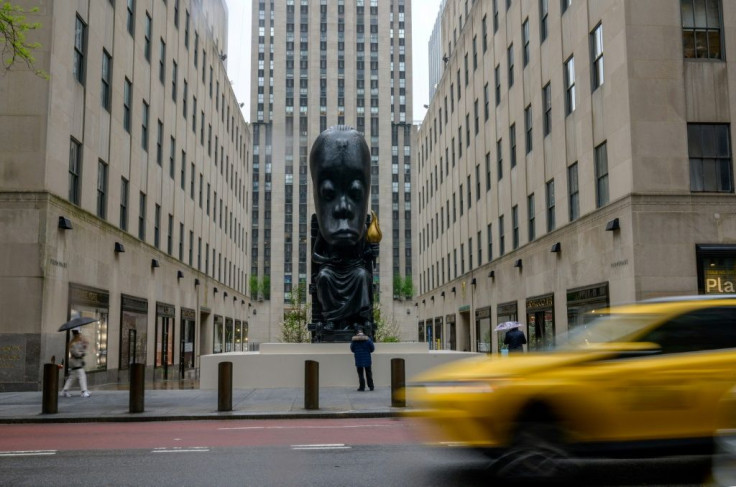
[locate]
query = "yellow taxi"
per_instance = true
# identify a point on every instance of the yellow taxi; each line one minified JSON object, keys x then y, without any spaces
{"x":643,"y":379}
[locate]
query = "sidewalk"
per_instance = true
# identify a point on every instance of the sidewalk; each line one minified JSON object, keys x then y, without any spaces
{"x":196,"y":404}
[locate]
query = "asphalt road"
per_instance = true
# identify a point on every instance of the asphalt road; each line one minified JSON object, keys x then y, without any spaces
{"x":322,"y":453}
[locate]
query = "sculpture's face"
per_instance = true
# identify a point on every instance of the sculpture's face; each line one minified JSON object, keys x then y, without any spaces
{"x":341,"y":189}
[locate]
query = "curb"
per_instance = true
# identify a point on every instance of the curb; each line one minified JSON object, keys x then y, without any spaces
{"x":129,"y":418}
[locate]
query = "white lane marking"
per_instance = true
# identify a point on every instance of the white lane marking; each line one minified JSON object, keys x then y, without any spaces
{"x":194,"y":449}
{"x":26,"y":453}
{"x":308,"y":427}
{"x":326,"y":446}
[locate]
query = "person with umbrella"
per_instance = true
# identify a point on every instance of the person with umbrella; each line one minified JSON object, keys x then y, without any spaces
{"x":515,"y":339}
{"x":77,"y":351}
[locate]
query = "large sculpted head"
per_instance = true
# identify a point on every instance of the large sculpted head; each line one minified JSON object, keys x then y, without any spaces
{"x":340,"y":166}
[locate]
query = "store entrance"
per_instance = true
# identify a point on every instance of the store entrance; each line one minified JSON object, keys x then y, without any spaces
{"x":186,"y":343}
{"x":540,"y":320}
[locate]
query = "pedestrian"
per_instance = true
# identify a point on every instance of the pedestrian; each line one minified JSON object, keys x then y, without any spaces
{"x":77,"y":351}
{"x":362,"y":348}
{"x":515,"y":340}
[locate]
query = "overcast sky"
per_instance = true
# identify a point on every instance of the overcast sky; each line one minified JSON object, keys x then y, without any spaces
{"x":238,"y":55}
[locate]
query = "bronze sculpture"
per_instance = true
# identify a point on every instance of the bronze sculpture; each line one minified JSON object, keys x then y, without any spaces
{"x":344,"y":237}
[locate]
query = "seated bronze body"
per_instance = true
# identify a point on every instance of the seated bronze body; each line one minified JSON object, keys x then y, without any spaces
{"x":344,"y":237}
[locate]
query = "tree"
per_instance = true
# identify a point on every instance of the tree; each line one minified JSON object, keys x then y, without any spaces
{"x":296,"y":318}
{"x":408,"y":287}
{"x":387,"y":330}
{"x":13,"y":29}
{"x":254,"y":287}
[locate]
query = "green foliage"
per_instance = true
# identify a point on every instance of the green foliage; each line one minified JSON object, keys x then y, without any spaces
{"x":296,"y":318}
{"x":403,"y":287}
{"x":254,"y":287}
{"x":387,"y":330}
{"x":13,"y":44}
{"x":266,"y":287}
{"x":408,"y":287}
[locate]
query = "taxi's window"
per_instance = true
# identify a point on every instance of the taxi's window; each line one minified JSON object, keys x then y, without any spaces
{"x":704,"y":329}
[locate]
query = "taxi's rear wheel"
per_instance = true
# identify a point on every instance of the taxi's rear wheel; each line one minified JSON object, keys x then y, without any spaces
{"x":537,"y":453}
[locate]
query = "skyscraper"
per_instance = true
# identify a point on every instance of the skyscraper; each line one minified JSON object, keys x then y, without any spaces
{"x":316,"y":64}
{"x":575,"y":155}
{"x":123,"y":192}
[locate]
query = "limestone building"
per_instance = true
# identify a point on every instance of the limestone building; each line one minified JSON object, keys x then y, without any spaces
{"x":575,"y":155}
{"x":124,"y":191}
{"x":316,"y":64}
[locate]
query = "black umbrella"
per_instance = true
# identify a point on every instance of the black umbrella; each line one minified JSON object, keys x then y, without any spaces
{"x":78,"y":321}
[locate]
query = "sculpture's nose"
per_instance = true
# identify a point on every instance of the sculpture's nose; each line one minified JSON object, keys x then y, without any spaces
{"x":343,"y":209}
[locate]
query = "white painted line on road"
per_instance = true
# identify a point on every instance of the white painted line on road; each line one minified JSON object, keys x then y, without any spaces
{"x":309,"y":427}
{"x":328,"y":446}
{"x":195,"y":449}
{"x":26,"y":453}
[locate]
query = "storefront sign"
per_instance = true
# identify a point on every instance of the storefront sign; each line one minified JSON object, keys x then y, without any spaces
{"x":719,"y":281}
{"x":188,"y":314}
{"x":506,"y":309}
{"x":450,"y":318}
{"x":88,"y":296}
{"x":166,"y":310}
{"x":483,"y":313}
{"x":131,"y":303}
{"x":596,"y":292}
{"x":540,"y":303}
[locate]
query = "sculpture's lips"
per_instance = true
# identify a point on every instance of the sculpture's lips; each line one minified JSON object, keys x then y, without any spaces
{"x":344,"y":234}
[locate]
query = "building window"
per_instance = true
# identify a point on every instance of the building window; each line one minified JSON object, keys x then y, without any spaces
{"x":160,"y":143}
{"x":101,"y":189}
{"x":142,"y":216}
{"x":709,"y":148}
{"x":80,"y":35}
{"x":497,"y":78}
{"x":570,"y":85}
{"x":170,"y":235}
{"x":701,"y":29}
{"x":531,"y":217}
{"x":174,"y":75}
{"x":75,"y":171}
{"x":573,"y":192}
{"x":512,"y":144}
{"x":510,"y":60}
{"x":105,"y":87}
{"x":550,"y":196}
{"x":495,"y":16}
{"x":127,"y":95}
{"x":564,"y":5}
{"x":525,"y":41}
{"x":528,"y":128}
{"x":501,"y":238}
{"x":596,"y":54}
{"x":547,"y":105}
{"x":144,"y":127}
{"x":488,"y":171}
{"x":601,"y":175}
{"x":485,"y":35}
{"x":162,"y":62}
{"x":157,"y":226}
{"x":147,"y":37}
{"x":124,"y":188}
{"x":486,"y":103}
{"x":130,"y":22}
{"x":499,"y":158}
{"x":515,"y":226}
{"x":543,"y":17}
{"x":489,"y":235}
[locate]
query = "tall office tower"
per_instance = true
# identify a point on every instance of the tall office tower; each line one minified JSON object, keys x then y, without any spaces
{"x":575,"y":155}
{"x":316,"y":64}
{"x":435,"y":55}
{"x":124,"y":189}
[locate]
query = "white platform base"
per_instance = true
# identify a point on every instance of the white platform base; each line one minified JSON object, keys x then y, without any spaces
{"x":282,"y":364}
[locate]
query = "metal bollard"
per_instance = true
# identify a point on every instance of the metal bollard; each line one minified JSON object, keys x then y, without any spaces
{"x":311,"y":384}
{"x":398,"y":383}
{"x":50,"y":401}
{"x":225,"y":386}
{"x":137,"y":388}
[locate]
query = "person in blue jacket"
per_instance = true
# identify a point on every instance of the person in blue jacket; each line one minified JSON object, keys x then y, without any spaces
{"x":362,"y":348}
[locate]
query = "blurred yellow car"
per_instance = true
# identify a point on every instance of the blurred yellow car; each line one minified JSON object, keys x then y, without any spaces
{"x":642,"y":380}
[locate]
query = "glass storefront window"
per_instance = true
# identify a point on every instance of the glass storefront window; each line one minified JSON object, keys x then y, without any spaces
{"x":505,"y":312}
{"x":716,"y":269}
{"x":229,"y":335}
{"x":420,"y":331}
{"x":91,"y":303}
{"x":439,"y":335}
{"x":133,"y":331}
{"x":582,"y":303}
{"x":483,"y":336}
{"x":218,"y":335}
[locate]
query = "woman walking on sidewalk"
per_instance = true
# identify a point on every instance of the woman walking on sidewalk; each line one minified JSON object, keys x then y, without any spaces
{"x":77,"y":351}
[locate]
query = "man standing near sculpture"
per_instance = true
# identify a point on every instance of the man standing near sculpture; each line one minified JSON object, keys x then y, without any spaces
{"x":346,"y":244}
{"x":362,"y":348}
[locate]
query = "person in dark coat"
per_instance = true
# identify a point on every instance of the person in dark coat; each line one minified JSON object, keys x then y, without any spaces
{"x":515,"y":340}
{"x":362,"y":348}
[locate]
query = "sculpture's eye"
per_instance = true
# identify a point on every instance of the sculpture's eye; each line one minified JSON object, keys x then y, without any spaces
{"x":356,"y":191}
{"x":327,"y":191}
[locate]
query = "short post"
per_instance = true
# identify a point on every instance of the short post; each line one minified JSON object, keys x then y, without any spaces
{"x":225,"y":386}
{"x":311,"y":384}
{"x":50,"y":401}
{"x":398,"y":383}
{"x":137,"y":388}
